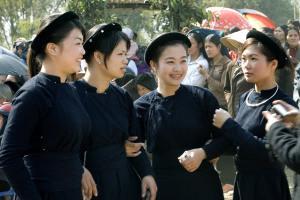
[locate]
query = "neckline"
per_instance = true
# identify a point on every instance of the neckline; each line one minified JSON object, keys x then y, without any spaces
{"x":262,"y":93}
{"x":51,"y":77}
{"x":168,"y":97}
{"x":93,"y":89}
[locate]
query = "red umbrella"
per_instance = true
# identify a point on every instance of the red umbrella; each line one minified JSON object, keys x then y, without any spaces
{"x":257,"y":19}
{"x":225,"y":18}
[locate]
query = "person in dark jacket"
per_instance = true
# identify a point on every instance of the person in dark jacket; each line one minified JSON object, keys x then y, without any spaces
{"x":283,"y":138}
{"x":40,"y":150}
{"x":177,"y":123}
{"x":113,"y":119}
{"x":259,"y":174}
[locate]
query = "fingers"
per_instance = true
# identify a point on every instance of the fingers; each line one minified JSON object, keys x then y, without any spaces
{"x":285,"y":105}
{"x":88,"y":185}
{"x":133,"y":149}
{"x":267,"y":114}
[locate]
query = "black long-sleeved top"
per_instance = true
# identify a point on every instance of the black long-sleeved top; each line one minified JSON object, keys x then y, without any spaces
{"x":182,"y":121}
{"x":173,"y":125}
{"x":260,"y":175}
{"x":43,"y":137}
{"x":285,"y":144}
{"x":113,"y":120}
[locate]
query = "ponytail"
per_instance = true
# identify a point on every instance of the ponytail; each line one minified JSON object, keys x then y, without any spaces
{"x":33,"y":64}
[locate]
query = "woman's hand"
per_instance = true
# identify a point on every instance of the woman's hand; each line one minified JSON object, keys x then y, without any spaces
{"x":290,"y":119}
{"x":192,"y":159}
{"x":133,"y":149}
{"x":88,"y":185}
{"x":148,"y":183}
{"x":220,"y":117}
{"x":203,"y":71}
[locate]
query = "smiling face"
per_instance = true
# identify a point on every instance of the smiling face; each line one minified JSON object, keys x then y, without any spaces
{"x":292,"y":38}
{"x":256,"y":68}
{"x":171,"y":66}
{"x":71,"y":52}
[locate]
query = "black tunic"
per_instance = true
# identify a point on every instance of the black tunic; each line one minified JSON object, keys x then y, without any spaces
{"x":46,"y":128}
{"x":113,"y":121}
{"x":259,"y":174}
{"x":177,"y":123}
{"x":286,"y":145}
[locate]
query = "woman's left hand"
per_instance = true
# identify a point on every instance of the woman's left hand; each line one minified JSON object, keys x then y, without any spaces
{"x":220,"y":117}
{"x":192,"y":159}
{"x":148,"y":183}
{"x":88,"y":185}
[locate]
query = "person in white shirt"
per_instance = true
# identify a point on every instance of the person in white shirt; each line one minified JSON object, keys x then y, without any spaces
{"x":196,"y":59}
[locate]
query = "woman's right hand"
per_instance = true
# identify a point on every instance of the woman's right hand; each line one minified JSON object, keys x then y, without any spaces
{"x":133,"y":149}
{"x":220,"y":117}
{"x":88,"y":185}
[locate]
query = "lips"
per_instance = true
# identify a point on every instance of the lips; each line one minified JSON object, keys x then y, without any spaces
{"x":176,"y":76}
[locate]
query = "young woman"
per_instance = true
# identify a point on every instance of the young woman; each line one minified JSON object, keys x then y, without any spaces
{"x":197,"y":57}
{"x":218,"y":64}
{"x":176,"y":120}
{"x":47,"y":125}
{"x":293,"y":39}
{"x":280,"y":32}
{"x":259,"y":174}
{"x":112,"y":118}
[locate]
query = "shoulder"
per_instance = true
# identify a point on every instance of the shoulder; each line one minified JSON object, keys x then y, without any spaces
{"x":198,"y":92}
{"x":282,"y":96}
{"x":145,"y":100}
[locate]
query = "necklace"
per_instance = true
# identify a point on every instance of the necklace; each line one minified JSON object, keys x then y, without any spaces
{"x":260,"y":103}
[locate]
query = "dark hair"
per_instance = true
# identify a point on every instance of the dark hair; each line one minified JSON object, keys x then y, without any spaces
{"x":263,"y":49}
{"x":106,"y":43}
{"x":158,"y":51}
{"x":216,"y":39}
{"x":199,"y":40}
{"x":233,"y":29}
{"x":36,"y":56}
{"x":284,"y":28}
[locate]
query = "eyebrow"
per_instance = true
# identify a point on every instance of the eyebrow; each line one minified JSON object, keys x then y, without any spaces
{"x":174,"y":58}
{"x":79,"y":38}
{"x":253,"y":54}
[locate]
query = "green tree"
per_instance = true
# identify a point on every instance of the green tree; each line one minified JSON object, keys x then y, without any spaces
{"x":20,"y":18}
{"x":176,"y":14}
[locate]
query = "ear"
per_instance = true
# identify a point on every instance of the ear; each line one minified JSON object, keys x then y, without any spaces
{"x":99,"y":57}
{"x":153,"y":66}
{"x":274,"y":64}
{"x":52,"y":49}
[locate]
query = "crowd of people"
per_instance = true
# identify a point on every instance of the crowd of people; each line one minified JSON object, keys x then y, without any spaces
{"x":103,"y":118}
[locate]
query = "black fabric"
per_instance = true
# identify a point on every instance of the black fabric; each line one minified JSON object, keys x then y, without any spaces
{"x":259,"y":174}
{"x":113,"y":121}
{"x":274,"y":46}
{"x":47,"y":117}
{"x":41,"y":38}
{"x":161,"y":40}
{"x":177,"y":123}
{"x":286,"y":145}
{"x":97,"y":31}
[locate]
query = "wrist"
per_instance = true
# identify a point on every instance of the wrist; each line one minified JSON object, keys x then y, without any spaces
{"x":202,"y":153}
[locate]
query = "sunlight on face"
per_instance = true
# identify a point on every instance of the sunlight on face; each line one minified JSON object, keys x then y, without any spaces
{"x":255,"y":66}
{"x":172,"y":65}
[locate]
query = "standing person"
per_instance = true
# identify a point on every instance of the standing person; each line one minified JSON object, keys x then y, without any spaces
{"x":218,"y":63}
{"x":177,"y":122}
{"x":47,"y":124}
{"x":197,"y":57}
{"x":283,"y":137}
{"x":112,"y":118}
{"x":280,"y":32}
{"x":259,"y":174}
